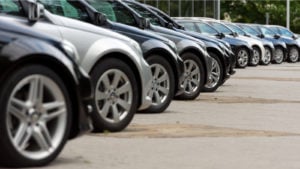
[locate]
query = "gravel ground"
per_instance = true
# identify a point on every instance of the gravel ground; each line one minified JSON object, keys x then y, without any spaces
{"x":250,"y":122}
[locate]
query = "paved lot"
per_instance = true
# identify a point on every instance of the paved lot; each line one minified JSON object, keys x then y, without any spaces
{"x":252,"y":122}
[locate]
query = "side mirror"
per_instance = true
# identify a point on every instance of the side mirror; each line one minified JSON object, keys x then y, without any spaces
{"x":261,"y":36}
{"x":34,"y":11}
{"x":295,"y":37}
{"x":221,"y":35}
{"x":276,"y":36}
{"x":170,"y":25}
{"x":144,"y":23}
{"x":100,"y":19}
{"x":234,"y":34}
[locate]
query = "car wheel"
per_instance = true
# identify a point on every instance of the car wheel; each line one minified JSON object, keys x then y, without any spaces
{"x":242,"y":58}
{"x":193,"y":77}
{"x":268,"y":56}
{"x":163,"y":84}
{"x":254,"y":60}
{"x":279,"y":55}
{"x":293,"y":54}
{"x":116,"y":95}
{"x":216,"y":74}
{"x":35,"y":118}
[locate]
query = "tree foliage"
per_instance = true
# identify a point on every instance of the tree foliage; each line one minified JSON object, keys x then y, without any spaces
{"x":254,"y":11}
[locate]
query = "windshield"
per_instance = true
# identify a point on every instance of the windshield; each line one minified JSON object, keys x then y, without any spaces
{"x":144,"y":13}
{"x":275,"y":29}
{"x":221,"y":28}
{"x":114,"y":11}
{"x":267,"y":31}
{"x":65,"y":8}
{"x":286,"y":32}
{"x":236,"y":29}
{"x":250,"y":30}
{"x":206,"y":29}
{"x":11,"y":7}
{"x":189,"y":26}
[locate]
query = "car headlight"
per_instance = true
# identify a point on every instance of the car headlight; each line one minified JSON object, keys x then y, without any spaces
{"x":70,"y":50}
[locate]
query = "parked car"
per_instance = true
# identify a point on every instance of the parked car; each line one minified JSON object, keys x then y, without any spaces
{"x":283,"y":31}
{"x":293,"y":47}
{"x":160,"y":53}
{"x":280,"y":47}
{"x":197,"y":61}
{"x":120,"y":75}
{"x":268,"y":45}
{"x":242,"y":49}
{"x":222,"y":57}
{"x":45,"y":97}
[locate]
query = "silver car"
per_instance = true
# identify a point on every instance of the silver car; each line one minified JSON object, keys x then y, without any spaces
{"x":120,"y":75}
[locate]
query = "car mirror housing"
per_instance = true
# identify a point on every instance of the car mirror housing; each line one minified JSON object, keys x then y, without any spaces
{"x":295,"y":37}
{"x":35,"y":11}
{"x":261,"y":36}
{"x":144,"y":23}
{"x":221,"y":35}
{"x":100,"y":19}
{"x":276,"y":36}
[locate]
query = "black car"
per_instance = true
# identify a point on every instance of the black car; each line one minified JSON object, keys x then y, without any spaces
{"x":222,"y":57}
{"x":293,"y":47}
{"x":159,"y":52}
{"x":196,"y":60}
{"x":280,"y":47}
{"x":44,"y":96}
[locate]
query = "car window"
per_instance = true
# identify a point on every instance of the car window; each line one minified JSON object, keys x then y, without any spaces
{"x":267,"y":31}
{"x":286,"y":32}
{"x":274,"y":29}
{"x":221,"y":28}
{"x":114,"y":11}
{"x":11,"y":7}
{"x":65,"y":8}
{"x":206,"y":29}
{"x":250,"y":30}
{"x":236,"y":29}
{"x":190,"y":26}
{"x":144,"y":13}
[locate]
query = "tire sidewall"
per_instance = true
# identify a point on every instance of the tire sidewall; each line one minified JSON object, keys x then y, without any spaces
{"x":101,"y":124}
{"x":10,"y":156}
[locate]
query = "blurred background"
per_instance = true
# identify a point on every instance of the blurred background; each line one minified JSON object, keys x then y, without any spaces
{"x":273,"y":12}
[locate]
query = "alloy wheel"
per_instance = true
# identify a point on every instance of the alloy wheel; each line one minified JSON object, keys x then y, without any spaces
{"x":215,"y":74}
{"x":256,"y":56}
{"x":279,"y":55}
{"x":293,"y":54}
{"x":242,"y":58}
{"x":191,"y":76}
{"x":36,"y":117}
{"x":268,"y":56}
{"x":113,"y":95}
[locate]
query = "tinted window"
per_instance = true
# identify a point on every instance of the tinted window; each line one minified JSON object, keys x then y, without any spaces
{"x":274,"y":29}
{"x":221,"y":28}
{"x":145,"y":13}
{"x":11,"y":7}
{"x":286,"y":32}
{"x":236,"y":29}
{"x":250,"y":30}
{"x":267,"y":31}
{"x":190,"y":26}
{"x":206,"y":29}
{"x":114,"y":11}
{"x":65,"y":8}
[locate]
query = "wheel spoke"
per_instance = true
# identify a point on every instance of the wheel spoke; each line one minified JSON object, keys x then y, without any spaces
{"x":164,"y":90}
{"x":36,"y":90}
{"x":100,"y":95}
{"x":157,"y":97}
{"x":116,"y":80}
{"x":190,"y":86}
{"x":26,"y":139}
{"x":53,"y":115}
{"x":123,"y":104}
{"x":189,"y":67}
{"x":105,"y":109}
{"x":41,"y":140}
{"x":14,"y":109}
{"x":156,"y":71}
{"x":164,"y":77}
{"x":124,"y":89}
{"x":106,"y":82}
{"x":21,"y":133}
{"x":195,"y":72}
{"x":195,"y":82}
{"x":151,"y":93}
{"x":116,"y":114}
{"x":45,"y":132}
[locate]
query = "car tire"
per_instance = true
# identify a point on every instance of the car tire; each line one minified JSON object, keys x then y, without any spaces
{"x":279,"y":55}
{"x":116,"y":95}
{"x":217,"y":74}
{"x":268,"y":57}
{"x":192,"y":63}
{"x":36,"y":123}
{"x":254,"y":60}
{"x":163,"y":84}
{"x":293,"y":55}
{"x":242,"y":57}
